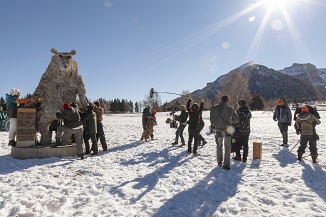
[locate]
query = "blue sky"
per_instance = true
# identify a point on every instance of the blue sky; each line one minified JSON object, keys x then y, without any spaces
{"x":126,"y":47}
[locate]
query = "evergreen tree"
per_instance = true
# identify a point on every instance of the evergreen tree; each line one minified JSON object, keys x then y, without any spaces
{"x":256,"y":103}
{"x":131,"y":106}
{"x":136,"y":107}
{"x":3,"y":103}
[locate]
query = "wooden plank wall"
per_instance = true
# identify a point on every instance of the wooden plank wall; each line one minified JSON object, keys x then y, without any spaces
{"x":26,"y":127}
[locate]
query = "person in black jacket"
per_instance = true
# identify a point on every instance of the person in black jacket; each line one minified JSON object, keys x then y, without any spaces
{"x":243,"y":131}
{"x":202,"y":141}
{"x":182,"y":118}
{"x":193,"y":125}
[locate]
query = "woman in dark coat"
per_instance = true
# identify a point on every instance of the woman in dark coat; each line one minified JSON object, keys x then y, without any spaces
{"x":90,"y":129}
{"x":182,"y":118}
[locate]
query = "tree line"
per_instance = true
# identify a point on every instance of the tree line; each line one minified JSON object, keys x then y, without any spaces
{"x":127,"y":106}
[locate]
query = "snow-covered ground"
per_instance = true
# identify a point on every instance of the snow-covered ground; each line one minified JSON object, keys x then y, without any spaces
{"x":135,"y":178}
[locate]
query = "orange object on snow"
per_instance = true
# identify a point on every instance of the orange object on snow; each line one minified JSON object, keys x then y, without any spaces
{"x":23,"y":101}
{"x":27,"y":100}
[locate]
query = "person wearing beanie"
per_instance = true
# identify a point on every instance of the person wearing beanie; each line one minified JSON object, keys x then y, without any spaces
{"x":12,"y":108}
{"x":222,"y":118}
{"x":306,"y":126}
{"x":194,"y":112}
{"x":66,"y":106}
{"x":283,"y":116}
{"x":242,"y":131}
{"x":72,"y":126}
{"x":312,"y":110}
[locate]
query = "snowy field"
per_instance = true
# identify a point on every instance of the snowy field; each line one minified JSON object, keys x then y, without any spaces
{"x":135,"y":178}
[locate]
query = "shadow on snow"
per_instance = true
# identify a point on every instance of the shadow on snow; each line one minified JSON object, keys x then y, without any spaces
{"x":148,"y":182}
{"x":204,"y":198}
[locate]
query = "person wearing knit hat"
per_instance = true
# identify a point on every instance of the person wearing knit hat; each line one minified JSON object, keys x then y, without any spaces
{"x":312,"y":110}
{"x":72,"y":126}
{"x":280,"y":102}
{"x":223,"y":117}
{"x":66,"y":106}
{"x":12,"y":108}
{"x":242,"y":131}
{"x":283,"y":116}
{"x":305,"y":125}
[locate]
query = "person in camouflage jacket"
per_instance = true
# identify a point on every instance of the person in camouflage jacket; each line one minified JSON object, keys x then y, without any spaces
{"x":305,"y":124}
{"x":242,"y":131}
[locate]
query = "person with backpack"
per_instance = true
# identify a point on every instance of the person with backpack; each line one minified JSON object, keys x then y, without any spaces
{"x":222,"y":118}
{"x":306,"y":126}
{"x":283,"y":116}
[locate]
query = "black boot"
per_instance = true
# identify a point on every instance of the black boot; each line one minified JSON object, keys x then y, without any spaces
{"x":57,"y":143}
{"x":82,"y":156}
{"x":314,"y":159}
{"x":300,"y":155}
{"x":12,"y":143}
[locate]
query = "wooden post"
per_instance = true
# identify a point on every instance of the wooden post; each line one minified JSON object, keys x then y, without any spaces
{"x":257,"y":150}
{"x":26,"y":127}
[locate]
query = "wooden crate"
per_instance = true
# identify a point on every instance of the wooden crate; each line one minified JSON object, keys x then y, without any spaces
{"x":257,"y":150}
{"x":26,"y":127}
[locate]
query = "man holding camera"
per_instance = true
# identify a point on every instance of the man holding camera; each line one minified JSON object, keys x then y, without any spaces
{"x":305,"y":124}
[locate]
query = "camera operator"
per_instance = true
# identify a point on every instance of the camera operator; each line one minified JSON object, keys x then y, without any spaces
{"x":305,"y":125}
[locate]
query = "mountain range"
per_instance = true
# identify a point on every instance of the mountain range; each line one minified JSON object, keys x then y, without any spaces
{"x":299,"y":83}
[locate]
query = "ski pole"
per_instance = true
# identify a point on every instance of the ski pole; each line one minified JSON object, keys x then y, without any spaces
{"x":294,"y":146}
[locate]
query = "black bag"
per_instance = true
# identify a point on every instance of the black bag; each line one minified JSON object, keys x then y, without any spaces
{"x":315,"y":136}
{"x":297,"y":129}
{"x":173,"y":124}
